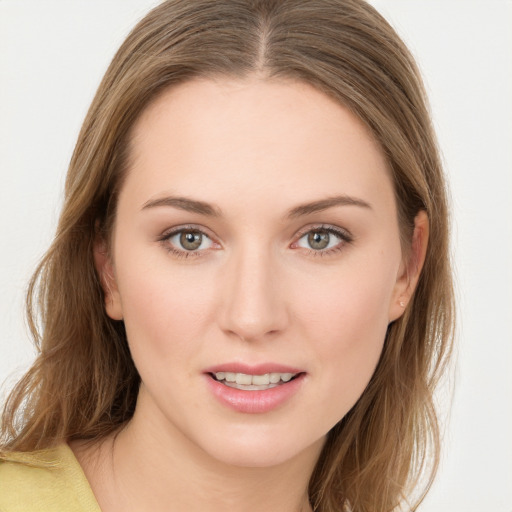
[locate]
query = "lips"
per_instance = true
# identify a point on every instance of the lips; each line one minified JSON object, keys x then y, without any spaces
{"x":254,"y":389}
{"x":250,"y":382}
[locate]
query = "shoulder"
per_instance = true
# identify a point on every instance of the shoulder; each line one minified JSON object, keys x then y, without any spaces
{"x":44,"y":481}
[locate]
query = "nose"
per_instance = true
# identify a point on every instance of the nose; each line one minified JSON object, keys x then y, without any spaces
{"x":253,"y":303}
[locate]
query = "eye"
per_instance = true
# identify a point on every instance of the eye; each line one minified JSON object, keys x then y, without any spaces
{"x":188,"y":240}
{"x":323,"y":239}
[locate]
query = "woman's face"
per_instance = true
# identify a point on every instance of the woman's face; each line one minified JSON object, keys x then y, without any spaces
{"x":256,"y":264}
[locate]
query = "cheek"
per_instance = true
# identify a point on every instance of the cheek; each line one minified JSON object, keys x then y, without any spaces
{"x":350,"y":327}
{"x":347,"y":323}
{"x":164,"y":311}
{"x":352,"y":299}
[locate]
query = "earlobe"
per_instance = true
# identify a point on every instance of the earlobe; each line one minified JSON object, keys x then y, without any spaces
{"x":410,"y":270}
{"x":105,"y":270}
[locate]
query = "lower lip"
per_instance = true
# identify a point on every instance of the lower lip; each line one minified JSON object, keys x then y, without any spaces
{"x":253,"y":402}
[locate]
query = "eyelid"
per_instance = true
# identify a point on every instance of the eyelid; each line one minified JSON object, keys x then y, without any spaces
{"x":342,"y":233}
{"x":186,"y":227}
{"x":170,"y":232}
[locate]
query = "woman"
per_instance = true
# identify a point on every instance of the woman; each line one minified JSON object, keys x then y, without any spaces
{"x":248,"y":302}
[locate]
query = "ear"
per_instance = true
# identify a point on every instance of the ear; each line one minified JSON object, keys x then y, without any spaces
{"x":410,"y":268}
{"x":105,"y":270}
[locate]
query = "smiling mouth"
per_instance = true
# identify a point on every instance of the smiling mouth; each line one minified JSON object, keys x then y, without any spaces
{"x":247,"y":382}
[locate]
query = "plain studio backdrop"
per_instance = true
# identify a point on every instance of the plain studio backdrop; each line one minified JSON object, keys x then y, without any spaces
{"x":52,"y":56}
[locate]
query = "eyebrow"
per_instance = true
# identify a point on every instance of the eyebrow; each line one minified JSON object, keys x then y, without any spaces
{"x":184,"y":203}
{"x":203,"y":208}
{"x":324,"y":204}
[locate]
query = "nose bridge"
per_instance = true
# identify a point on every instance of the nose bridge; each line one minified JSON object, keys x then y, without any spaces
{"x":253,"y":301}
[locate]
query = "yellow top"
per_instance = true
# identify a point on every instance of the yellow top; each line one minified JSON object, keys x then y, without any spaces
{"x":44,"y":481}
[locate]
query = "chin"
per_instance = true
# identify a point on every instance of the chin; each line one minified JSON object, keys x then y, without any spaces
{"x":262,"y":448}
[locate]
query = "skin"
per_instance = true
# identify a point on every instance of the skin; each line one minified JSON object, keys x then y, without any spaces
{"x":254,"y":292}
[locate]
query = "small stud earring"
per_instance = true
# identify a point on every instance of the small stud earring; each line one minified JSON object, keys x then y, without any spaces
{"x":402,"y":304}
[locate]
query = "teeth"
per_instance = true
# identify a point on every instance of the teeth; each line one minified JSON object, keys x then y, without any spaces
{"x":259,"y":380}
{"x":244,"y":379}
{"x":275,"y":378}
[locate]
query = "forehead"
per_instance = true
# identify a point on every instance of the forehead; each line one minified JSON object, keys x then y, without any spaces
{"x":254,"y":137}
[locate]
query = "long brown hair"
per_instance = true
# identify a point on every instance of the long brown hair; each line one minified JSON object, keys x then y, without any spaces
{"x":84,"y":385}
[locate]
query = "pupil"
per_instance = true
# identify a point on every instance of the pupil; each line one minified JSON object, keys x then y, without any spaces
{"x":318,"y":239}
{"x":191,"y":240}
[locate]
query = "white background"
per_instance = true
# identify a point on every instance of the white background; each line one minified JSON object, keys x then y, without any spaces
{"x":52,"y":56}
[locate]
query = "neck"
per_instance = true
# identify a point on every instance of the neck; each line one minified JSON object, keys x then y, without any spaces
{"x":147,"y":467}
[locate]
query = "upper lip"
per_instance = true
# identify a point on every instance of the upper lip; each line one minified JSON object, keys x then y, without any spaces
{"x":253,"y":369}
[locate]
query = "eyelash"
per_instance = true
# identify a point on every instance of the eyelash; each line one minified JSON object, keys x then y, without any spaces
{"x":343,"y":235}
{"x":182,"y":253}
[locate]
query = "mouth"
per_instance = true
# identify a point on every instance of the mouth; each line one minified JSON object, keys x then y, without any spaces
{"x":254,"y":388}
{"x":253,"y":382}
